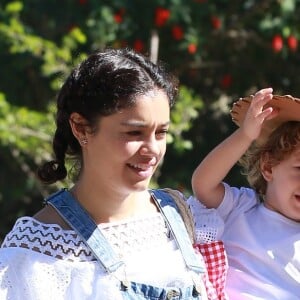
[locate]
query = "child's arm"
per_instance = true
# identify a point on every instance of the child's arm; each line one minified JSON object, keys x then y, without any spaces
{"x":208,"y":176}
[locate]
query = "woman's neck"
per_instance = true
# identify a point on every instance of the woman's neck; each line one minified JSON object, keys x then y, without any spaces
{"x":108,"y":206}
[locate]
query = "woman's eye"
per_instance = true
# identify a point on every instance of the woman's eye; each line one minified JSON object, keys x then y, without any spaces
{"x":162,"y":132}
{"x":134,"y":133}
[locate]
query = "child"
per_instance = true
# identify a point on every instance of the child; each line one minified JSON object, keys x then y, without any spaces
{"x":262,"y":223}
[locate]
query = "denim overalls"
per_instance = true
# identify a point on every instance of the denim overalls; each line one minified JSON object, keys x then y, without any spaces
{"x":76,"y":216}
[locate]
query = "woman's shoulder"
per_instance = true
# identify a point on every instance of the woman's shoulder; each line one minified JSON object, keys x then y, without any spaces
{"x":47,"y":238}
{"x":48,"y":215}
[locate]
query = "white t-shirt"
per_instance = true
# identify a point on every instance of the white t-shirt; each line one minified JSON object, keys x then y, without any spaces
{"x":263,"y":249}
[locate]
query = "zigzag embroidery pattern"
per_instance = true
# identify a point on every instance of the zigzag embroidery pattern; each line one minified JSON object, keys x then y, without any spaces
{"x":66,"y":246}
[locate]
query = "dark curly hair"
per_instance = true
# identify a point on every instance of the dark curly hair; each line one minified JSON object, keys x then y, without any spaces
{"x":280,"y":144}
{"x":104,"y":83}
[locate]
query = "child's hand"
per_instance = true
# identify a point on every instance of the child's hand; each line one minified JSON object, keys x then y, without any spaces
{"x":256,"y":114}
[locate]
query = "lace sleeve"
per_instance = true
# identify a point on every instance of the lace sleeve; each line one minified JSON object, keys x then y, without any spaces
{"x":209,"y":226}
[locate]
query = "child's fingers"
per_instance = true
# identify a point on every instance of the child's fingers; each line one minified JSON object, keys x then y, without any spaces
{"x":261,"y":98}
{"x":264,"y":91}
{"x":273,"y":113}
{"x":266,"y":114}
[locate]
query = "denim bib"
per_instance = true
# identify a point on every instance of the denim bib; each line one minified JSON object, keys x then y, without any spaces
{"x":78,"y":219}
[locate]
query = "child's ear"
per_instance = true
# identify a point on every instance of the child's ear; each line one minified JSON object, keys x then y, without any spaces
{"x":266,"y":167}
{"x":79,"y":127}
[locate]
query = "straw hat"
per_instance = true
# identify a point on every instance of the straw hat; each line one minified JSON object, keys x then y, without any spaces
{"x":287,"y":105}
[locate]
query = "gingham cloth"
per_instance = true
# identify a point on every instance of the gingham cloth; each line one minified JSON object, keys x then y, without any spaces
{"x":217,"y":265}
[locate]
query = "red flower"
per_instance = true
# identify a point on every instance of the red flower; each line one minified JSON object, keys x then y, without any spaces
{"x":82,"y":2}
{"x":119,"y":15}
{"x":161,"y":16}
{"x":138,"y":45}
{"x":177,"y":32}
{"x":226,"y":81}
{"x":216,"y":22}
{"x":118,"y":18}
{"x":277,"y":43}
{"x":192,"y":48}
{"x":292,"y":42}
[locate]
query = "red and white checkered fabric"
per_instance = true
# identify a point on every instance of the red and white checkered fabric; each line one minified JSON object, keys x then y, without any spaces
{"x":215,"y":258}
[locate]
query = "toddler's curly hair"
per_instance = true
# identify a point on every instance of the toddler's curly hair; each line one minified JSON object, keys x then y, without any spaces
{"x":280,"y":144}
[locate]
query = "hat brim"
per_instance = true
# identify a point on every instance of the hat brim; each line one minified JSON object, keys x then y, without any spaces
{"x":288,"y":108}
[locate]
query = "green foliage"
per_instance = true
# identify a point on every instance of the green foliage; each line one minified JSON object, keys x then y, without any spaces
{"x":220,"y":50}
{"x":186,"y":110}
{"x":26,"y":130}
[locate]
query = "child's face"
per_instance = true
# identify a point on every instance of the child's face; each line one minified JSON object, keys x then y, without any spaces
{"x":283,"y":186}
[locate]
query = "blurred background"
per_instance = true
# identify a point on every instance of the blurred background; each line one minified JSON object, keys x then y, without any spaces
{"x":220,"y":50}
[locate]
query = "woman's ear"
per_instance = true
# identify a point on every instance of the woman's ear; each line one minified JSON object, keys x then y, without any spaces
{"x":79,"y":128}
{"x":266,"y":167}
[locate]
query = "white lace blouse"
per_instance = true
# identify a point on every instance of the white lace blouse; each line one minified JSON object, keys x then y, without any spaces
{"x":42,"y":261}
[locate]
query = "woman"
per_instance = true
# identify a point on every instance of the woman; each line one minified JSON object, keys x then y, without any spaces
{"x":108,"y":236}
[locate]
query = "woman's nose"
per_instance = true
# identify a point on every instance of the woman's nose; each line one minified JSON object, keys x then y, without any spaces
{"x":150,"y":147}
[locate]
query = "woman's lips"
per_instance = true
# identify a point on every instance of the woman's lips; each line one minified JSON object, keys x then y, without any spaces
{"x":143,"y":170}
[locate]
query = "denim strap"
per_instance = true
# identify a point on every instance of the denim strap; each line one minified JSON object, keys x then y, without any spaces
{"x":169,"y":210}
{"x":78,"y":219}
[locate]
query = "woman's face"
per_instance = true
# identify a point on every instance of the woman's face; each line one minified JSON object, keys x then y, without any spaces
{"x":127,"y":148}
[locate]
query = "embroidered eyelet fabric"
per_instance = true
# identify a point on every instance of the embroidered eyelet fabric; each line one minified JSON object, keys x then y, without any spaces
{"x":68,"y":269}
{"x":125,"y":237}
{"x":209,"y":226}
{"x":48,"y":239}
